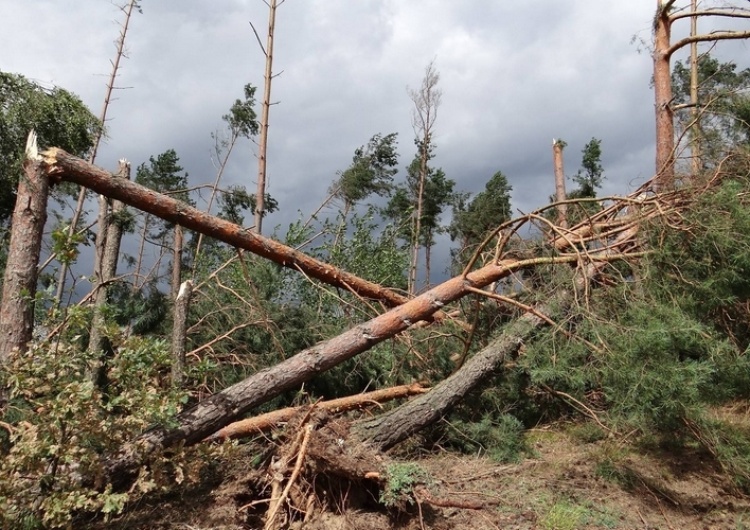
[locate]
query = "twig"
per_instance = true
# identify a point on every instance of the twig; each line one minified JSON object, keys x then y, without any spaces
{"x":295,"y":473}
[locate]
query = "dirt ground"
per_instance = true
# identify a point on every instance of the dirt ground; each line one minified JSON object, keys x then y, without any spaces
{"x":564,"y":484}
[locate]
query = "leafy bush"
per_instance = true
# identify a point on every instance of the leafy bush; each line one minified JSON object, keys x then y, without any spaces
{"x":61,"y":426}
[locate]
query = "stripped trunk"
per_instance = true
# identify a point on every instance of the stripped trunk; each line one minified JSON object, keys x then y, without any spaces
{"x":695,"y":127}
{"x":266,"y":106}
{"x":560,"y":195}
{"x":179,"y":331}
{"x":665,"y":144}
{"x":92,"y":158}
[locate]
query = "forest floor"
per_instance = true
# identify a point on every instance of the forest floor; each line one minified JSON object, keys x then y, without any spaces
{"x":565,"y":482}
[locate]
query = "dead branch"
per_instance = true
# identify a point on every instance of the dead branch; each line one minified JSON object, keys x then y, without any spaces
{"x":269,"y":420}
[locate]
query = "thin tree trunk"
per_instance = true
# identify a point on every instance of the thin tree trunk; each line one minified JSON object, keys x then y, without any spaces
{"x":107,"y":265}
{"x":560,"y":195}
{"x":214,"y":188}
{"x":260,"y":196}
{"x":695,"y":128}
{"x":141,"y":249}
{"x":179,"y":238}
{"x":19,"y":282}
{"x":387,"y":430}
{"x":418,"y":215}
{"x":179,"y":331}
{"x":70,"y":168}
{"x":92,"y":158}
{"x":427,"y":265}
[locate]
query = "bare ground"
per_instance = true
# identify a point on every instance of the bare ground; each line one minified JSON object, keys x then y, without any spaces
{"x":565,"y":484}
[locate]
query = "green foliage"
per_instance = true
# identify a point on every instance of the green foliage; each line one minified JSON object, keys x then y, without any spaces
{"x":437,"y":195}
{"x":501,"y":437}
{"x":400,"y":480}
{"x":589,"y":177}
{"x":564,"y":515}
{"x":66,"y":248}
{"x":705,"y":270}
{"x":486,"y":211}
{"x":61,"y":425}
{"x":236,"y":200}
{"x":59,"y":118}
{"x":242,"y":119}
{"x":722,"y":103}
{"x":371,"y":171}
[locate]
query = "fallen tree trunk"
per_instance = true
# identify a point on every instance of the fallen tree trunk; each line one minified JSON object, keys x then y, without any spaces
{"x":269,"y":420}
{"x":387,"y":430}
{"x":213,"y":413}
{"x":64,"y":166}
{"x":393,"y":427}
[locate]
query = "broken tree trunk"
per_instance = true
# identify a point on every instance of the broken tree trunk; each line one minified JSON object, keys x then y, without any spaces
{"x":64,"y":166}
{"x":388,"y":429}
{"x":179,"y":330}
{"x":560,"y":195}
{"x":19,"y":283}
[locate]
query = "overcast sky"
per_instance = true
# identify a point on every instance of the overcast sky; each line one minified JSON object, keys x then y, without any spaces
{"x":514,"y":75}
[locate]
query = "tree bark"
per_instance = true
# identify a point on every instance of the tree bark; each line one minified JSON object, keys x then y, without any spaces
{"x":179,"y":331}
{"x":260,"y":196}
{"x":391,"y":428}
{"x":67,"y":167}
{"x":663,"y":51}
{"x":695,"y":129}
{"x":265,"y":422}
{"x":179,"y":238}
{"x":560,"y":195}
{"x":665,"y":144}
{"x":19,"y":282}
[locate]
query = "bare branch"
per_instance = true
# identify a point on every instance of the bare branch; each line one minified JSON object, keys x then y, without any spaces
{"x":257,"y":37}
{"x":708,"y":37}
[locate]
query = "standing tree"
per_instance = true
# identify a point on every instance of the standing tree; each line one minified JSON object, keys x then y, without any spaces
{"x":59,"y":118}
{"x":560,"y":196}
{"x":371,"y":171}
{"x":260,"y":196}
{"x":162,"y":174}
{"x":120,"y":53}
{"x":485,"y":212}
{"x":19,"y":281}
{"x":437,"y":192}
{"x":589,"y":177}
{"x":664,"y":49}
{"x":426,"y":102}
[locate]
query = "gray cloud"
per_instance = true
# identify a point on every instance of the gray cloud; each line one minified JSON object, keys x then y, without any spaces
{"x":514,"y":76}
